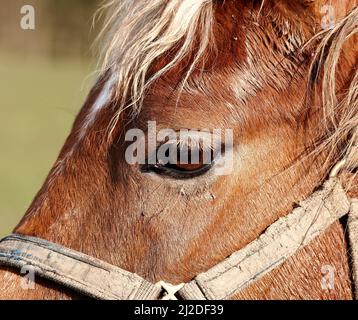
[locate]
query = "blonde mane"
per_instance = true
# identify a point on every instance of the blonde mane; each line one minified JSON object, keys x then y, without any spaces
{"x":340,"y":114}
{"x":137,"y":33}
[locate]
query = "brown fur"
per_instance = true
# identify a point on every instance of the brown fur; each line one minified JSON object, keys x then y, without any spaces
{"x":167,"y":230}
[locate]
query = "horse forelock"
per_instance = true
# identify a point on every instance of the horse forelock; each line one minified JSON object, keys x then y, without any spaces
{"x":138,"y":33}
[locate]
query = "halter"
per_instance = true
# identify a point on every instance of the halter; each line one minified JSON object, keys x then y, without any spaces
{"x":97,"y":279}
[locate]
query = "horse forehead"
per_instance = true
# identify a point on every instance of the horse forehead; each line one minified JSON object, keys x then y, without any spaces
{"x":225,"y":81}
{"x":237,"y":39}
{"x":198,"y":105}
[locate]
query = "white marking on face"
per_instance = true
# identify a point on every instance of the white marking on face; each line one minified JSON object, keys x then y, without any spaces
{"x":102,"y":101}
{"x":244,"y":84}
{"x":245,"y":81}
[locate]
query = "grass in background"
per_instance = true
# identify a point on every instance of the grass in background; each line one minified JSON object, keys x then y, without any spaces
{"x":39,"y":101}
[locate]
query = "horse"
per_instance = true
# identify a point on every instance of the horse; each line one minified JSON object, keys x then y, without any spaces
{"x":276,"y":73}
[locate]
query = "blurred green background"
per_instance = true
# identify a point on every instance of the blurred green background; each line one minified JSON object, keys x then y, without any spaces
{"x":45,"y":75}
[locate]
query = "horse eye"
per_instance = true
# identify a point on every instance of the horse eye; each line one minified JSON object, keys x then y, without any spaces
{"x":195,"y":164}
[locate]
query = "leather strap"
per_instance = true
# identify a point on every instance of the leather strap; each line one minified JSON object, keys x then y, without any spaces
{"x":353,"y":243}
{"x":280,"y":241}
{"x":75,"y":270}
